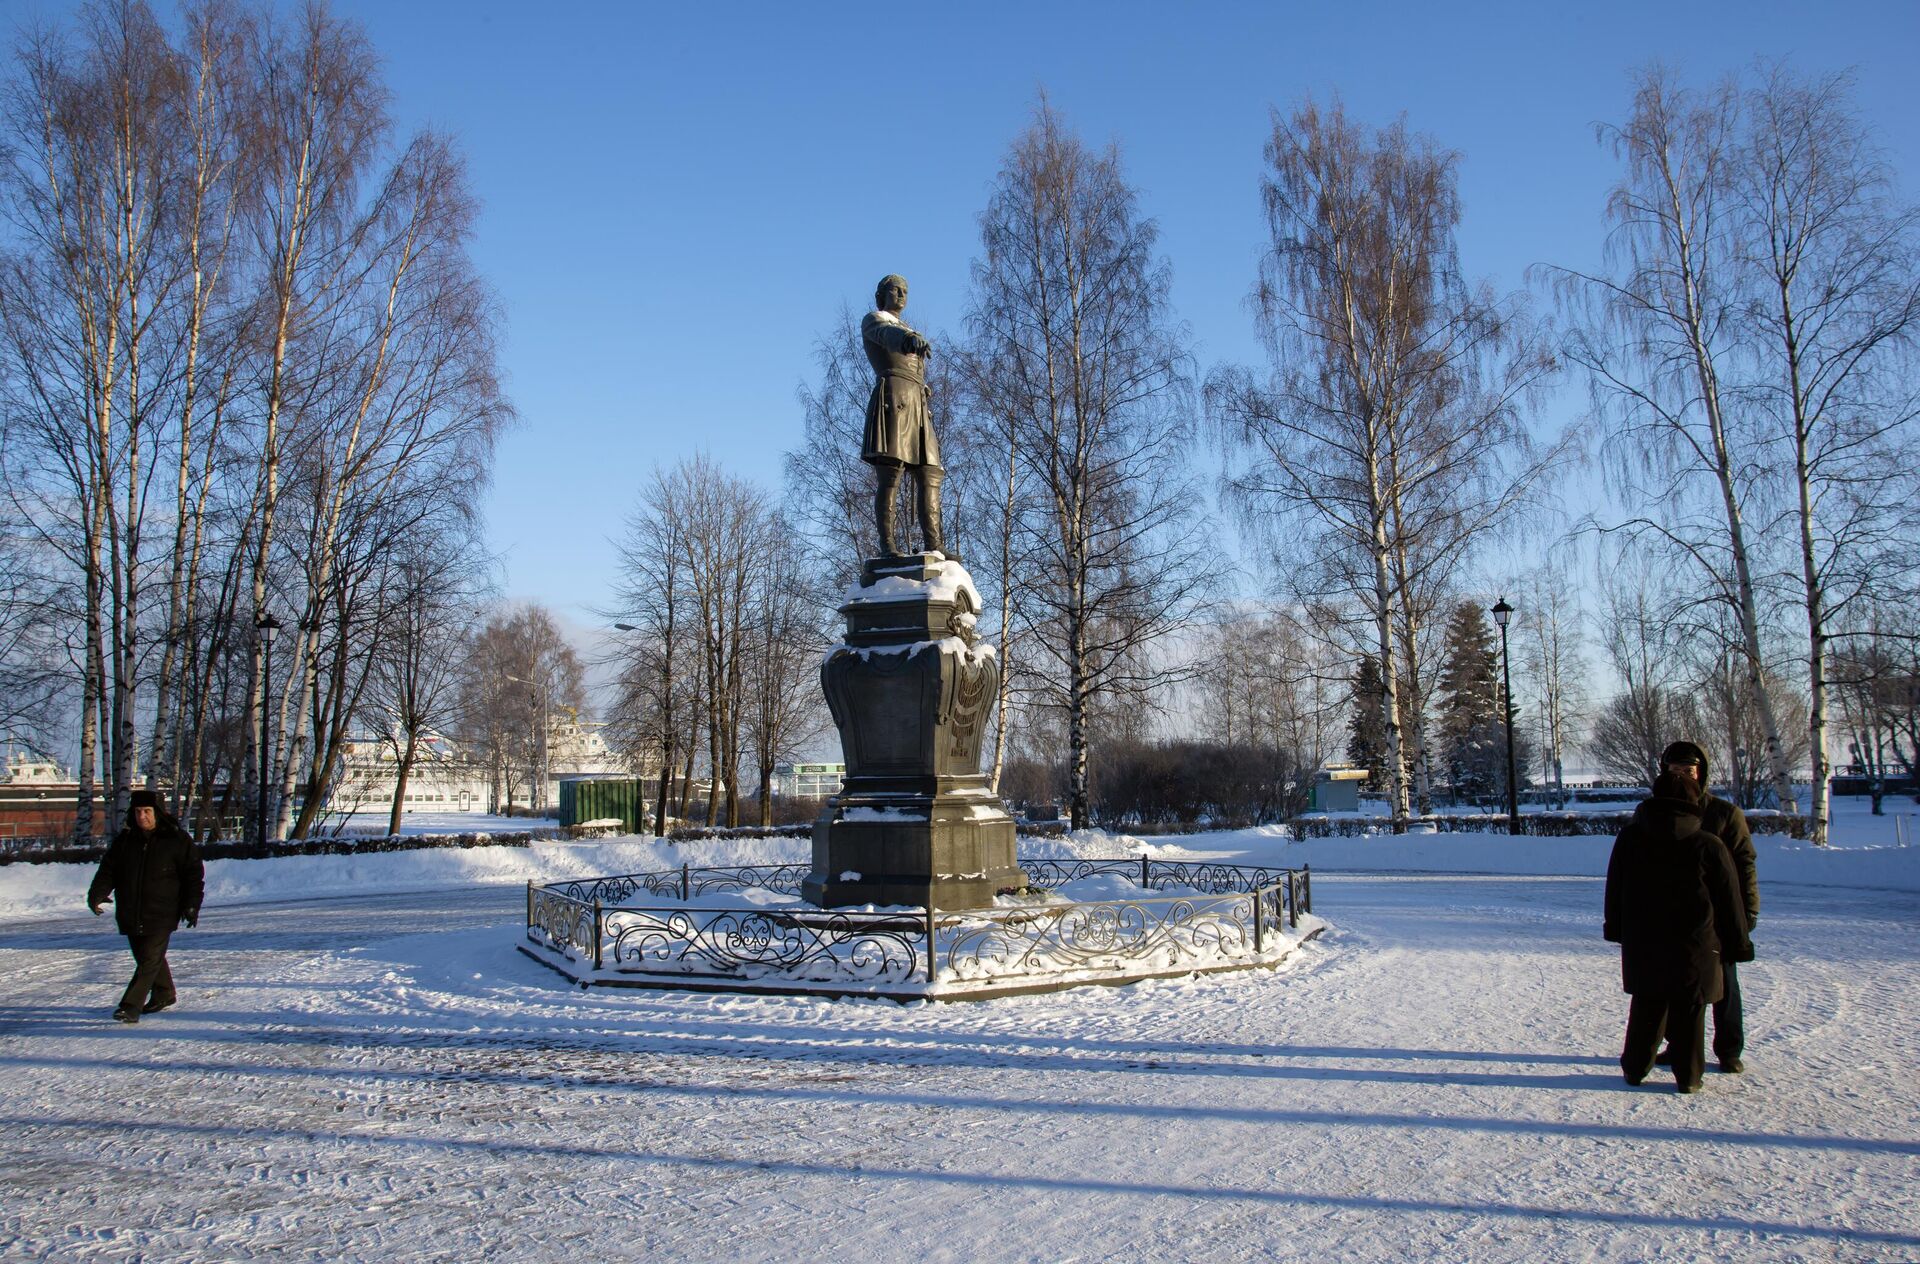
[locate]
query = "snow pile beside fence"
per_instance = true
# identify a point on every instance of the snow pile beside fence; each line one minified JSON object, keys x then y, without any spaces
{"x":1532,"y":824}
{"x":1094,"y":844}
{"x":29,"y":892}
{"x":57,"y":850}
{"x":1779,"y":859}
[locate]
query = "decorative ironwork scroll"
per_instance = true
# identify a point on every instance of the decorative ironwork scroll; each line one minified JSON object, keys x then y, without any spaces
{"x":1057,"y":873}
{"x":1124,"y":935}
{"x":811,"y":946}
{"x":561,"y":922}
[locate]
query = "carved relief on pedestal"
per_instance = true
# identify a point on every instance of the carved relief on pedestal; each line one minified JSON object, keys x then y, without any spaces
{"x":973,"y":684}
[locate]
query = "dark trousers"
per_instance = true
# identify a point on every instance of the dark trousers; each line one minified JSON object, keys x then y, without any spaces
{"x":1683,"y":1022}
{"x":151,"y":977}
{"x":1729,"y":1019}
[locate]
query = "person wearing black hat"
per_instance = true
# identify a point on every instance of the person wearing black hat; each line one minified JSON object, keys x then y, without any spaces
{"x":153,"y":874}
{"x":1728,"y":823}
{"x":1673,"y":906}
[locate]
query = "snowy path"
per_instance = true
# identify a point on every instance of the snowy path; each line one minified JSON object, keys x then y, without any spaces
{"x":1433,"y":1079}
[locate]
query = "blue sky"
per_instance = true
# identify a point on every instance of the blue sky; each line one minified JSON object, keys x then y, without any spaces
{"x":679,"y":198}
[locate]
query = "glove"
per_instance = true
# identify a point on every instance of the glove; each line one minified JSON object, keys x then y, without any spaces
{"x":98,"y":909}
{"x":191,"y":917}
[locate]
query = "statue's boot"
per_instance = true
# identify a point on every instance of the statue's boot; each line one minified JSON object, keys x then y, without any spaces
{"x":930,"y":513}
{"x":887,"y":481}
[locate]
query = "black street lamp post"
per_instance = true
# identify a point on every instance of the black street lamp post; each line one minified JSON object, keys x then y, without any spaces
{"x":1501,"y":613}
{"x":266,"y":627}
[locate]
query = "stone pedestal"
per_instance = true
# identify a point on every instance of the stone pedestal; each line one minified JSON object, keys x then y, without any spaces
{"x":911,"y":691}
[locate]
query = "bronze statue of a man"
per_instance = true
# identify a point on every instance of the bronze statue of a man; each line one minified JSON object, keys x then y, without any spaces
{"x":899,"y":434}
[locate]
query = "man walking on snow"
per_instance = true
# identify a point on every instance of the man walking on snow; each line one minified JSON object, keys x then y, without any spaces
{"x":153,"y":874}
{"x":1728,"y":823}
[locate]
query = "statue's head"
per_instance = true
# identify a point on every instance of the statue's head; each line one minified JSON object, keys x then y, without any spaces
{"x":891,"y":294}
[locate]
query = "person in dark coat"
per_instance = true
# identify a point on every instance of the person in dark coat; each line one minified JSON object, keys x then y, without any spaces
{"x":153,"y":874}
{"x":1728,"y":823}
{"x":1673,"y":905}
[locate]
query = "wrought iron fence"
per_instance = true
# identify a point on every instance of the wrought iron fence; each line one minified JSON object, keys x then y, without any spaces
{"x":688,"y":881}
{"x":1219,"y":916}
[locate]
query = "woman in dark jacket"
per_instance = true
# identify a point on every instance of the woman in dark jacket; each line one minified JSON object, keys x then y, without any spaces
{"x":153,"y":873}
{"x":1673,"y":905}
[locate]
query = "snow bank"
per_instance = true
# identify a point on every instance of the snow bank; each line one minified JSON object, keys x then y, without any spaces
{"x":1093,"y":844}
{"x":1779,"y":859}
{"x":28,"y":892}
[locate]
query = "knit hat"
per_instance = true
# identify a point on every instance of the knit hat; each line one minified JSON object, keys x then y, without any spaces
{"x":144,"y":799}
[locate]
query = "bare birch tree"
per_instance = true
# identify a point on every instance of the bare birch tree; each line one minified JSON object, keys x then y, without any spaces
{"x":212,"y":192}
{"x":1659,"y":337}
{"x":1390,"y":421}
{"x":1071,"y":325}
{"x":1836,"y":264}
{"x":1644,"y":647}
{"x":783,"y":704}
{"x":204,"y":289}
{"x":322,"y":112}
{"x":86,"y":183}
{"x":1552,"y":642}
{"x":657,"y":664}
{"x":435,"y":584}
{"x":518,"y":673}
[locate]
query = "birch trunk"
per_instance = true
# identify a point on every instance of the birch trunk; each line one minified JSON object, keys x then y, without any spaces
{"x":1694,"y":317}
{"x":1004,"y":694}
{"x":1389,"y":687}
{"x":1819,"y":808}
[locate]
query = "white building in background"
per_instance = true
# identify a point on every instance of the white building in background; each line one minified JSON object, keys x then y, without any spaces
{"x":808,"y":781}
{"x":443,"y":778}
{"x":446,"y":778}
{"x":24,"y":768}
{"x":576,"y":748}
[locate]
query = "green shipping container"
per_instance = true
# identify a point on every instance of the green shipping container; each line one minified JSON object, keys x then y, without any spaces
{"x":585,"y":799}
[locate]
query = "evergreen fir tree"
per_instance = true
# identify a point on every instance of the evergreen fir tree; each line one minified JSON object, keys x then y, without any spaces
{"x":1367,"y":730}
{"x":1472,"y":724}
{"x":1471,"y":729}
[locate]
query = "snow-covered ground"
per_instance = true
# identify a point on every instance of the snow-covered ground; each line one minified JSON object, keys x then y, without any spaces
{"x":384,"y":1077}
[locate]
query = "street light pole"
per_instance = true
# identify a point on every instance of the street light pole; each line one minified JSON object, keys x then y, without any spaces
{"x":266,"y":626}
{"x":1501,"y":613}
